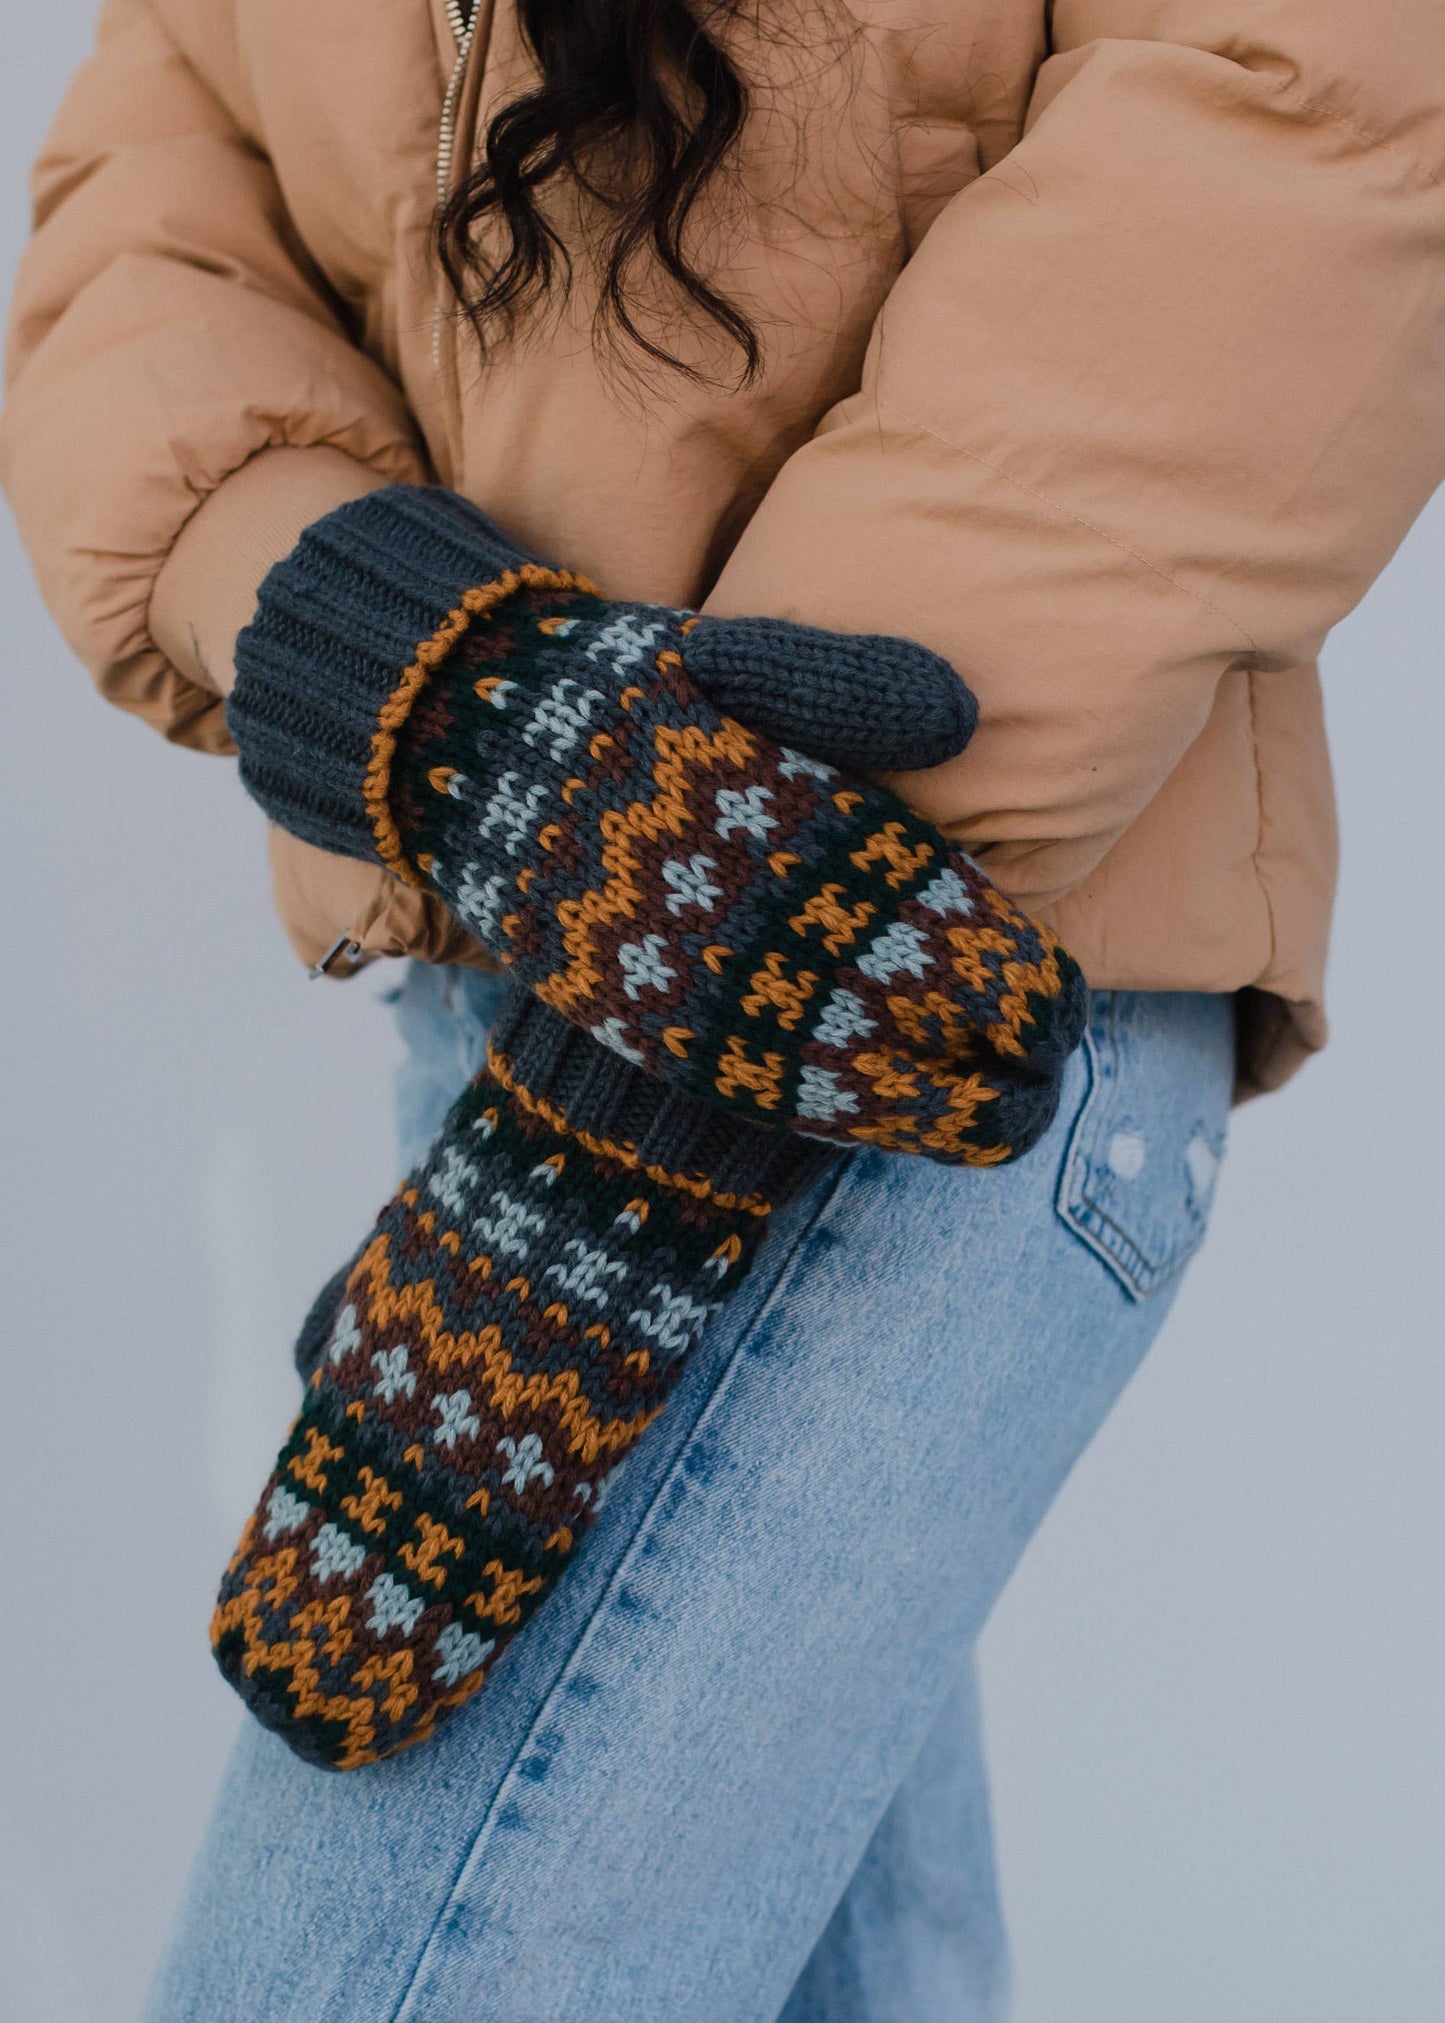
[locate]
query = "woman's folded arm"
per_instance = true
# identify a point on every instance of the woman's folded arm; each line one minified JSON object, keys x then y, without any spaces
{"x":167,"y":327}
{"x":1156,"y":398}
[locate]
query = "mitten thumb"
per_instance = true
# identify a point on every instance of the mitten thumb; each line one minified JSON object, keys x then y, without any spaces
{"x":862,"y":701}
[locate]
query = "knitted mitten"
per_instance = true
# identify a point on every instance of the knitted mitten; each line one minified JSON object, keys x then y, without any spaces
{"x":716,"y":908}
{"x":524,"y":1305}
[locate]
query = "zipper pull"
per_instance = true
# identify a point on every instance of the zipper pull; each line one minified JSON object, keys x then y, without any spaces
{"x":343,"y":948}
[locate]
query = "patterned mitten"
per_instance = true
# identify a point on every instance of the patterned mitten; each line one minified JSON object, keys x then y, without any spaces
{"x":522,"y":1309}
{"x":569,"y":774}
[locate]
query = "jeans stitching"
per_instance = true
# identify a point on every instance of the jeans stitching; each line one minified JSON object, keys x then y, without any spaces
{"x":1118,"y":1250}
{"x":507,"y":1782}
{"x":1072,"y":1204}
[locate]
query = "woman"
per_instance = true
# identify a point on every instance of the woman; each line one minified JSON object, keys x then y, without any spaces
{"x":1093,"y":347}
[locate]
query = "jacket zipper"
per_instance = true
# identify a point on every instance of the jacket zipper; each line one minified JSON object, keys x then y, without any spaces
{"x":462,"y":18}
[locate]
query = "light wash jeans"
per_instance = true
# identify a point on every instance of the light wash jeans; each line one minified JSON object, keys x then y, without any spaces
{"x":732,"y":1772}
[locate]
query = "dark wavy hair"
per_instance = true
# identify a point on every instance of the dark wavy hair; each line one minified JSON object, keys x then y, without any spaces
{"x":638,"y":106}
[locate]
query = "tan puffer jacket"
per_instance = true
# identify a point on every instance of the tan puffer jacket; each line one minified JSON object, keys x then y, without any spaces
{"x":1105,"y":355}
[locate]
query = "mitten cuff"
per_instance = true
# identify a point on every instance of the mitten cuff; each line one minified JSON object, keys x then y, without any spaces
{"x":366,"y":602}
{"x":578,"y":1083}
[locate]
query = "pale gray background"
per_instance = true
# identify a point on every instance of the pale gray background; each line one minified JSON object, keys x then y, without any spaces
{"x":1214,"y":1689}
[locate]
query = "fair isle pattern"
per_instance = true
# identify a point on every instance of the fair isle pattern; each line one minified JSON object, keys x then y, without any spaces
{"x":523,"y":1308}
{"x":724,"y":913}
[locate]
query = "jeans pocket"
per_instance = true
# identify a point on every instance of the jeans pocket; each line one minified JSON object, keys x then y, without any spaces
{"x":1138,"y":1176}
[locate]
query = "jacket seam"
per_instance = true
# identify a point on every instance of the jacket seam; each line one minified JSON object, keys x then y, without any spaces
{"x":883,"y":406}
{"x":1257,"y":854}
{"x":1311,"y":108}
{"x":1316,"y":109}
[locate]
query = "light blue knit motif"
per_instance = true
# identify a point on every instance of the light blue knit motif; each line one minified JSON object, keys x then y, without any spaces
{"x":346,"y":1335}
{"x":563,"y":717}
{"x":459,"y":1652}
{"x":395,"y":1378}
{"x":627,"y":643}
{"x":525,"y":1462}
{"x":673,"y":1321}
{"x":586,"y":1277}
{"x":820,"y":1096}
{"x":512,"y":811}
{"x":843,"y":1019}
{"x":510,"y":1228}
{"x":284,"y":1512}
{"x":690,"y":883}
{"x":899,"y":948}
{"x":458,"y":1420}
{"x":335,"y":1553}
{"x":393,"y":1606}
{"x":742,"y":808}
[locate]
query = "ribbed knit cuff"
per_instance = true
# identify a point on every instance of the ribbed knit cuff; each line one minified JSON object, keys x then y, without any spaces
{"x":337,"y":624}
{"x":535,"y":1051}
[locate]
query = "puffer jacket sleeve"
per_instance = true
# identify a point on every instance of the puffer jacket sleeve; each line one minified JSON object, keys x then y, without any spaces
{"x":167,"y":326}
{"x":1156,"y":398}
